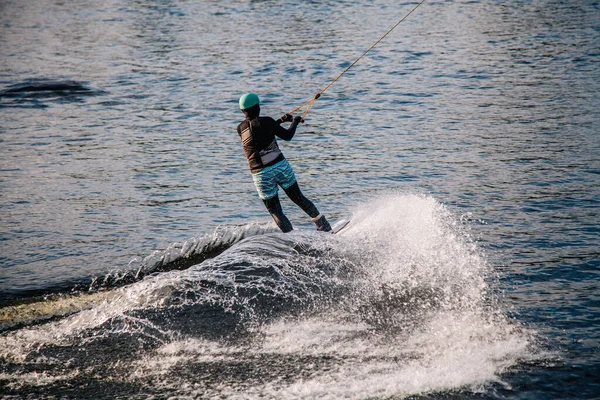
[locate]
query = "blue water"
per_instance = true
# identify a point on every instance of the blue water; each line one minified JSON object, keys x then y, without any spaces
{"x":137,"y":261}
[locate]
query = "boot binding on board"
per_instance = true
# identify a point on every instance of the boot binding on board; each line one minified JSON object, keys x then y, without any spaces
{"x":322,"y":223}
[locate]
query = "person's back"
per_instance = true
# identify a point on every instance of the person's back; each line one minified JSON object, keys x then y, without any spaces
{"x":260,"y":144}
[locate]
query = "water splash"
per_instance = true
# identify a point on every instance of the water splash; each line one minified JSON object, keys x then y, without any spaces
{"x":396,"y":305}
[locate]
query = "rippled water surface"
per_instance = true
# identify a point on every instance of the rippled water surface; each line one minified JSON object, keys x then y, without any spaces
{"x":464,"y":148}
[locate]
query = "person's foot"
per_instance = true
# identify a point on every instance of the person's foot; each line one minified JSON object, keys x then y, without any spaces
{"x":322,"y":223}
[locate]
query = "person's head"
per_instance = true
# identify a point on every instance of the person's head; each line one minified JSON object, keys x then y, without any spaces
{"x":250,"y":105}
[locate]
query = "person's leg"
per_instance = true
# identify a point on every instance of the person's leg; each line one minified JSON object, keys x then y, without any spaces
{"x":266,"y":186}
{"x":274,"y":207}
{"x":295,"y":194}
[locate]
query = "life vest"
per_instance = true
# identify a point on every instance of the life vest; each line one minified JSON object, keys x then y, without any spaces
{"x":260,"y":144}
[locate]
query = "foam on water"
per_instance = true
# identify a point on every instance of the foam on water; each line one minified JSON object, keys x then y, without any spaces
{"x":398,"y":304}
{"x":419,"y":319}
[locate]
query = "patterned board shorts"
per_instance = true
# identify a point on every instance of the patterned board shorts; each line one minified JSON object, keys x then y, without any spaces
{"x":267,"y":179}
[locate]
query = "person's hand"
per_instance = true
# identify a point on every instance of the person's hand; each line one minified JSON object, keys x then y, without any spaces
{"x":298,"y":119}
{"x":287,"y":118}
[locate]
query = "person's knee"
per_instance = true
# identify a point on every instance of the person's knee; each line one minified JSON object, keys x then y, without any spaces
{"x":294,"y":193}
{"x":272,"y":204}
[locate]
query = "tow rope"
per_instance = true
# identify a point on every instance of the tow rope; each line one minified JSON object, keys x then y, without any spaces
{"x":309,"y":103}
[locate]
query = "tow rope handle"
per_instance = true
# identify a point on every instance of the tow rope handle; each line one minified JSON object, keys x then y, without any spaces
{"x":309,"y":103}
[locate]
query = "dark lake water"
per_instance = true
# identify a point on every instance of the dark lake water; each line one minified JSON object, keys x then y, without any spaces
{"x":137,"y":260}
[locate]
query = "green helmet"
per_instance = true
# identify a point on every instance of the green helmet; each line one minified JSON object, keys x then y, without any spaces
{"x":248,"y":100}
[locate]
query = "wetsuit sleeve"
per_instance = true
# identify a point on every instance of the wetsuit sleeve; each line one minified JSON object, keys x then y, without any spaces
{"x":281,"y":132}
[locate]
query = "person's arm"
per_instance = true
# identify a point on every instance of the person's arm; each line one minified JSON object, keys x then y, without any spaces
{"x":287,"y":134}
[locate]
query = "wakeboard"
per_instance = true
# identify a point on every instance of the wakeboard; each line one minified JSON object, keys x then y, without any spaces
{"x":339,"y":225}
